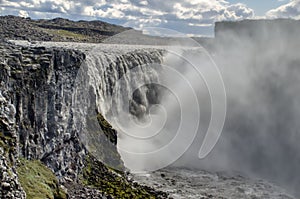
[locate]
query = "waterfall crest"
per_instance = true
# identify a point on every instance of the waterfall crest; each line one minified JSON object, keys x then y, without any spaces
{"x":113,"y":75}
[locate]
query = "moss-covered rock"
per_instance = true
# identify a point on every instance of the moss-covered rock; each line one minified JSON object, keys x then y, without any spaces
{"x":104,"y":169}
{"x":114,"y":184}
{"x":38,"y":181}
{"x":101,"y":141}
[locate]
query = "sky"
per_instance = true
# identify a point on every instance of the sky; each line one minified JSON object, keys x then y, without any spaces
{"x":191,"y":17}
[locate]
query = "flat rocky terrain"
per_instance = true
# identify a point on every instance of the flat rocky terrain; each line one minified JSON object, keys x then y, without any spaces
{"x":12,"y":27}
{"x":183,"y":183}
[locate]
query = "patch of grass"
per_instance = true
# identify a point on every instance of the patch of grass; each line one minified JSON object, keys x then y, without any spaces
{"x":38,"y":181}
{"x":99,"y":176}
{"x":66,"y":33}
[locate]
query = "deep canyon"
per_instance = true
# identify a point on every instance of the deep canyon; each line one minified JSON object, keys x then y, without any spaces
{"x":90,"y":113}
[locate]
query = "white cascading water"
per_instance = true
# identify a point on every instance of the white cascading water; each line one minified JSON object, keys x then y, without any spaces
{"x":123,"y":80}
{"x":105,"y":70}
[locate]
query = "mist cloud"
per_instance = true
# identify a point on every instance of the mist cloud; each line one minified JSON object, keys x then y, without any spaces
{"x":260,"y":67}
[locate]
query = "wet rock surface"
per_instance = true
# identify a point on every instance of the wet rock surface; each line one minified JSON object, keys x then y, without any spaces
{"x":182,"y":183}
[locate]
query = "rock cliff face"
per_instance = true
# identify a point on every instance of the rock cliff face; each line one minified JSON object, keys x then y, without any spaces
{"x":38,"y":121}
{"x":39,"y":85}
{"x":10,"y":186}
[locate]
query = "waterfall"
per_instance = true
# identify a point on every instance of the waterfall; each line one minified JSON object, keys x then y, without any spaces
{"x":122,"y":84}
{"x":152,"y":97}
{"x":114,"y":75}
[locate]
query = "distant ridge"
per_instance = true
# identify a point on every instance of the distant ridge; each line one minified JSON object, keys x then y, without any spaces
{"x":58,"y":29}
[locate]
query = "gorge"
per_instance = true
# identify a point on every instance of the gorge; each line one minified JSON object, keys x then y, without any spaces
{"x":78,"y":108}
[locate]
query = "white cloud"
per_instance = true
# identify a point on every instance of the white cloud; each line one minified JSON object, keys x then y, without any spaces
{"x":200,"y":25}
{"x":289,"y":10}
{"x":211,"y":10}
{"x":144,"y":3}
{"x":23,"y":13}
{"x":240,"y":11}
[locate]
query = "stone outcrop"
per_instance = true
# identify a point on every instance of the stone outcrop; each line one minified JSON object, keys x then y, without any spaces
{"x":10,"y":186}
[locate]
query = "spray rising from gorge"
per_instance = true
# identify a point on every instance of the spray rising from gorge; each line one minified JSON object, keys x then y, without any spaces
{"x":259,"y":66}
{"x":153,"y":94}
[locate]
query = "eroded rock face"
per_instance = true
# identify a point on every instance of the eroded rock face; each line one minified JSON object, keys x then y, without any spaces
{"x":39,"y":83}
{"x":10,"y":187}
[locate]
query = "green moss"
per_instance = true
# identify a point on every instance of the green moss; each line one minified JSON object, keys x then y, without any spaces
{"x":110,"y":133}
{"x":102,"y":121}
{"x":97,"y":175}
{"x":38,"y":181}
{"x":65,"y":33}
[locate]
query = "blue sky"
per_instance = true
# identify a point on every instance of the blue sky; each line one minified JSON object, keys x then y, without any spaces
{"x":191,"y":17}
